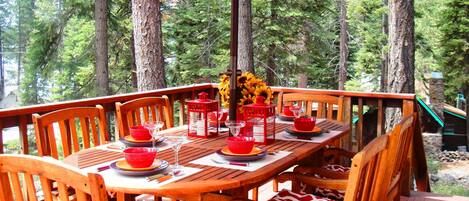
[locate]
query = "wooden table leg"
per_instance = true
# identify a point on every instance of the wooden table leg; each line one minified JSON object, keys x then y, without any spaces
{"x":275,"y":184}
{"x":255,"y":193}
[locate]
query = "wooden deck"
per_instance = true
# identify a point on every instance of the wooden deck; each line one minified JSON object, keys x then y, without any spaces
{"x":422,"y":196}
{"x":265,"y":193}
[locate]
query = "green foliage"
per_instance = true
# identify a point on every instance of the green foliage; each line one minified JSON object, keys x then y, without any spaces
{"x":433,"y":165}
{"x":59,"y":63}
{"x":450,"y":189}
{"x":301,"y":36}
{"x":454,"y":26}
{"x":197,"y":38}
{"x":295,"y":37}
{"x":367,"y":40}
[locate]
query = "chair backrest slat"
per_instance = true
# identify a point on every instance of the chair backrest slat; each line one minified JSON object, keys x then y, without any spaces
{"x":81,"y":196}
{"x":46,"y":185}
{"x":67,"y":120}
{"x":366,"y":170}
{"x":325,"y":104}
{"x":129,"y":114}
{"x":65,"y":137}
{"x":49,"y":171}
{"x":400,"y":139}
{"x":31,"y":188}
{"x":73,"y":133}
{"x":85,"y":131}
{"x":137,"y":116}
{"x":52,"y":142}
{"x":15,"y":183}
{"x":146,"y":116}
{"x":63,"y":192}
{"x":153,"y":113}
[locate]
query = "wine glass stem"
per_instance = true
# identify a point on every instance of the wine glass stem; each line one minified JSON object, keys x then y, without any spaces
{"x":176,"y":165}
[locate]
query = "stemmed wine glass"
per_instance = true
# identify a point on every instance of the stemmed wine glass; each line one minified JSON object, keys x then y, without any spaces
{"x":235,"y":126}
{"x":176,"y":140}
{"x":297,"y":110}
{"x":154,"y":127}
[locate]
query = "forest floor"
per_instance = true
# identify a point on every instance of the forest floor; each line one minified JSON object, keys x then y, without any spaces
{"x":449,"y":177}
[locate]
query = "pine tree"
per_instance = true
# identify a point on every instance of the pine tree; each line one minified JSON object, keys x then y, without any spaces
{"x":455,"y":52}
{"x":146,"y":18}
{"x":401,"y":53}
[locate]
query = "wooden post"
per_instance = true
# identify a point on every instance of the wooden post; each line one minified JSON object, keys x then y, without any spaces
{"x":23,"y":128}
{"x":1,"y":138}
{"x":406,"y":178}
{"x":181,"y":110}
{"x":359,"y":130}
{"x":234,"y":59}
{"x":346,"y":142}
{"x":380,"y":126}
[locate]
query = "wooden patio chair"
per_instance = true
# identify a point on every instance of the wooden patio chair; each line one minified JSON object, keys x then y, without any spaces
{"x":129,"y":114}
{"x":89,"y":121}
{"x":400,"y":139}
{"x":22,"y":176}
{"x":363,"y":183}
{"x":325,"y":104}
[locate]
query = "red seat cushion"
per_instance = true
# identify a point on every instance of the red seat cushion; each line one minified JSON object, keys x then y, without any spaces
{"x":336,"y":168}
{"x":324,"y":192}
{"x":286,"y":195}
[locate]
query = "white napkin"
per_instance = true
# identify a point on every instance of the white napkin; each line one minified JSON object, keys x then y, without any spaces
{"x":116,"y":180}
{"x":316,"y":139}
{"x":253,"y":165}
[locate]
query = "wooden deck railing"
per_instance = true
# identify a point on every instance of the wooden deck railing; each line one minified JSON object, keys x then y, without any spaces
{"x":365,"y":125}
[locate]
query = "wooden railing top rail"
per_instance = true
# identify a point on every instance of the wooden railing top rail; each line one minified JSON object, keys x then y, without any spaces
{"x":346,"y":93}
{"x":401,"y":96}
{"x":100,"y":100}
{"x":183,"y":89}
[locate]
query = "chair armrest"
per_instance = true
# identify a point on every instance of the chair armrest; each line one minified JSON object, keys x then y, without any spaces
{"x":321,"y":172}
{"x":333,"y":151}
{"x":336,"y":184}
{"x":220,"y":197}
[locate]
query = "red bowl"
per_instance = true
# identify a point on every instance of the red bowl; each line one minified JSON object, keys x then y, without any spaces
{"x":240,"y":145}
{"x":140,"y":133}
{"x":140,"y":157}
{"x":305,"y":123}
{"x":287,"y":111}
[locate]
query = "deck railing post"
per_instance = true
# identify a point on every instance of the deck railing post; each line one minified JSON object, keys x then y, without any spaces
{"x":23,"y":129}
{"x":346,"y":142}
{"x":1,"y":138}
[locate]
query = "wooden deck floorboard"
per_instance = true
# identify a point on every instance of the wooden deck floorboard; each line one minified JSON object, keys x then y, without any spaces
{"x":423,"y":196}
{"x":265,"y":193}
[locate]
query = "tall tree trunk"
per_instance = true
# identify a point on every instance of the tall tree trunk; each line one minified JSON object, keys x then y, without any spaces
{"x":401,"y":53}
{"x":271,"y":66}
{"x":102,"y":75}
{"x":270,"y":72}
{"x":20,"y":46}
{"x":467,"y":112}
{"x":245,"y":55}
{"x":2,"y":76}
{"x":384,"y":55}
{"x":133,"y":67}
{"x":146,"y":17}
{"x":343,"y":44}
{"x":302,"y":80}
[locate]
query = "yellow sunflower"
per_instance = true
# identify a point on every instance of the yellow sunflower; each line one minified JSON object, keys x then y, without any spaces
{"x":264,"y":91}
{"x":248,"y":85}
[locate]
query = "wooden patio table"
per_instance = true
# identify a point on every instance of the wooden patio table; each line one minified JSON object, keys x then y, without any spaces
{"x":214,"y":179}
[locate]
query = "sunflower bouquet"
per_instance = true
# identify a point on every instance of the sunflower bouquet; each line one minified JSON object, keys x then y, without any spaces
{"x":249,"y":87}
